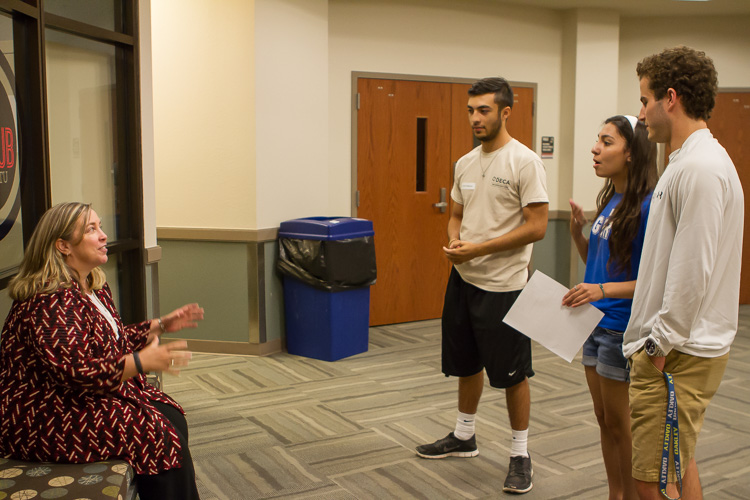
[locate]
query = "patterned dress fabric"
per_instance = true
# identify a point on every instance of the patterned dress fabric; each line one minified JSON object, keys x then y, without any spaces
{"x":61,"y":398}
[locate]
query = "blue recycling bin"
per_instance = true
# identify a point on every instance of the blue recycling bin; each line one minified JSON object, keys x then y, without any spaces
{"x":328,"y":265}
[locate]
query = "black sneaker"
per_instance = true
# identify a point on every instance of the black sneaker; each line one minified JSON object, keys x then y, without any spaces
{"x":449,"y":446}
{"x":519,"y":475}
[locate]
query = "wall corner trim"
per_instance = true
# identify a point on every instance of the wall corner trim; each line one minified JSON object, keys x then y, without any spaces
{"x":233,"y":348}
{"x":153,"y":254}
{"x":213,"y":234}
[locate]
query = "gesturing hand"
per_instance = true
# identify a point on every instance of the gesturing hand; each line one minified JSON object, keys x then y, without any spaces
{"x":186,"y":316}
{"x":168,"y":357}
{"x":577,"y":218}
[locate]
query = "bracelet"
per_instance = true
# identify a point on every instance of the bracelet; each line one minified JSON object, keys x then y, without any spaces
{"x":451,"y":241}
{"x":138,"y":365}
{"x":601,"y":287}
{"x":161,"y":326}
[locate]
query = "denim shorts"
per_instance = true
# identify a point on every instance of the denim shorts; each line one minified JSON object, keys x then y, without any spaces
{"x":603,"y":349}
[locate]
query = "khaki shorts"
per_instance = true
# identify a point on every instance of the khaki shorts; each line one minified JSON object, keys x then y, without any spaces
{"x":695,"y":380}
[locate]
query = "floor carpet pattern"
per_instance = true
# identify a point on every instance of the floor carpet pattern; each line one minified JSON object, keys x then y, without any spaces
{"x":291,"y":427}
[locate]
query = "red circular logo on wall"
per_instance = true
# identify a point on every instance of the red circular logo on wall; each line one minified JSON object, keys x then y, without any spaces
{"x":10,"y":199}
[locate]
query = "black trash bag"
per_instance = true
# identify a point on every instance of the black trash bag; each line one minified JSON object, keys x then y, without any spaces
{"x":332,"y":265}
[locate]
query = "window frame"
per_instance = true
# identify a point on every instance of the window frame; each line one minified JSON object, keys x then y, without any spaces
{"x":29,"y":25}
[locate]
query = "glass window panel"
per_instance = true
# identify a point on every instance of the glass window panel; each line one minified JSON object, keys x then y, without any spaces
{"x":81,"y":106}
{"x":11,"y":230}
{"x":111,"y":269}
{"x":99,"y":13}
{"x":5,"y":303}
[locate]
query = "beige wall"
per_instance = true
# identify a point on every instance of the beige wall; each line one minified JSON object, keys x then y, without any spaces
{"x":259,"y":130}
{"x":291,"y":95}
{"x":724,"y":39}
{"x":204,"y":108}
{"x":252,"y":106}
{"x":440,"y":38}
{"x":597,"y":41}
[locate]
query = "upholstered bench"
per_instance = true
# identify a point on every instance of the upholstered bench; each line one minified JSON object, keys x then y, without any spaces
{"x":108,"y":480}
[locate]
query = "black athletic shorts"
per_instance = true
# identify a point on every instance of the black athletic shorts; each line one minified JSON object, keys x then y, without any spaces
{"x":475,"y":337}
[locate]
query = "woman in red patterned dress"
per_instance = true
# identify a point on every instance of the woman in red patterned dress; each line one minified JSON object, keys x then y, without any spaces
{"x":72,"y":383}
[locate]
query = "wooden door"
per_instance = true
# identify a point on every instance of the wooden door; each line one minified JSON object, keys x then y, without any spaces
{"x":409,"y":136}
{"x":730,"y":124}
{"x":403,"y":163}
{"x":521,"y":122}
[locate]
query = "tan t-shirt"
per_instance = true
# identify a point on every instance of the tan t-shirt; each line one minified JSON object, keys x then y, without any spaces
{"x":493,"y":189}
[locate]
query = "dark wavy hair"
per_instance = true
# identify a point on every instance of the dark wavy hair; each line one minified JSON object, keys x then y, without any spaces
{"x":689,"y":72}
{"x":641,"y":180}
{"x":494,"y":85}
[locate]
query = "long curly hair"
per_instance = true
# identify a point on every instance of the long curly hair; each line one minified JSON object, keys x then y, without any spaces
{"x":641,"y":180}
{"x":691,"y":73}
{"x":43,"y":268}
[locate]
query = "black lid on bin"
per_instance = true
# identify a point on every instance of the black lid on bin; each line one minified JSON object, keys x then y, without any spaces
{"x":326,"y":228}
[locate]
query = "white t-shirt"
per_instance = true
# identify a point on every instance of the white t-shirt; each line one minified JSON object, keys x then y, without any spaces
{"x":493,"y":189}
{"x":687,"y":293}
{"x":104,"y":312}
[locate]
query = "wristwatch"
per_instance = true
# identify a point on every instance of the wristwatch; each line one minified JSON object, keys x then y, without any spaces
{"x":652,"y":347}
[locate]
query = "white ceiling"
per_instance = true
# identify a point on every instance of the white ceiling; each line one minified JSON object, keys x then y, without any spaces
{"x":633,"y":8}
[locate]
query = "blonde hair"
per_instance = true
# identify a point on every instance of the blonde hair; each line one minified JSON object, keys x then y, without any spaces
{"x":43,"y":268}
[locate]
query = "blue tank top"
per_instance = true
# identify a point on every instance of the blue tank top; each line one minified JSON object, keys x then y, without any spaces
{"x":616,"y":311}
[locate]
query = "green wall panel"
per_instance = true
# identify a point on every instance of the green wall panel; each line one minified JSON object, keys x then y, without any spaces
{"x":216,"y":276}
{"x":552,"y":254}
{"x":274,"y":298}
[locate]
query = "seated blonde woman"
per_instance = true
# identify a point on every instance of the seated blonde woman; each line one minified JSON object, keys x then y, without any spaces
{"x":72,"y":383}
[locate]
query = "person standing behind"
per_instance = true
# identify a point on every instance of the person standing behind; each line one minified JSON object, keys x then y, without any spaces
{"x":623,"y":156}
{"x":685,"y":307}
{"x":499,"y":209}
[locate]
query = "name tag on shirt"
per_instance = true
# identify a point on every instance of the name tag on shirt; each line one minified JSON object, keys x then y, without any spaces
{"x":468,"y":185}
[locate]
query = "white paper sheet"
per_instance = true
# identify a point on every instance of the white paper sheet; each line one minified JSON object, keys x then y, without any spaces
{"x":539,"y":314}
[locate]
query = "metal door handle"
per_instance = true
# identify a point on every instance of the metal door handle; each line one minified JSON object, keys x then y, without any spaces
{"x":442,"y":204}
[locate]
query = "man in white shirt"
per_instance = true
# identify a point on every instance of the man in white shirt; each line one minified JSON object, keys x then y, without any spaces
{"x":499,"y":209}
{"x":685,"y":308}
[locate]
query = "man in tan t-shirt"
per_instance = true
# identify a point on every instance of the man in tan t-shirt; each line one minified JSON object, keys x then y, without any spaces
{"x":499,"y":209}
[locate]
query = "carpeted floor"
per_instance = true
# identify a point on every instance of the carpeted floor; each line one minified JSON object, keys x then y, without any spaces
{"x":285,"y":426}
